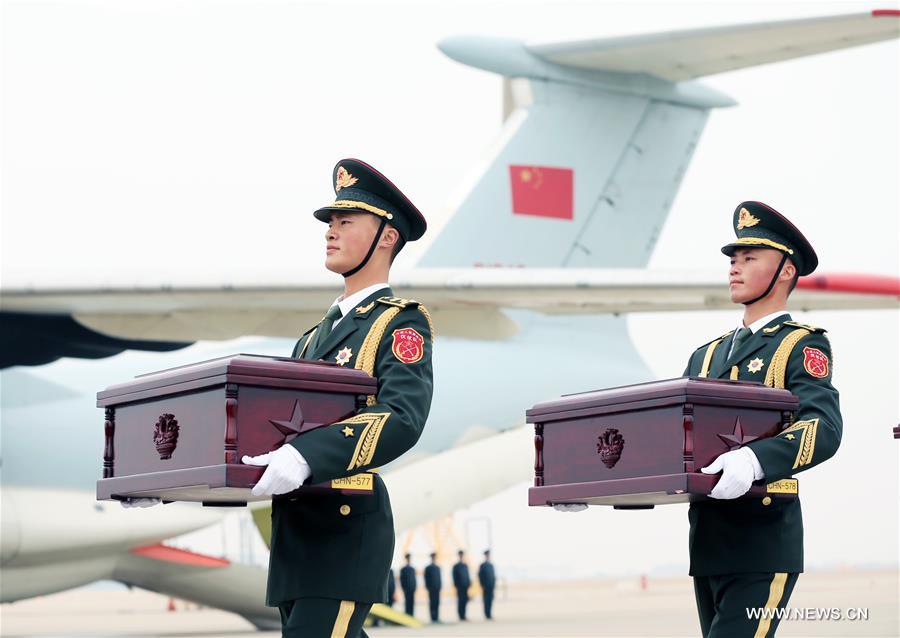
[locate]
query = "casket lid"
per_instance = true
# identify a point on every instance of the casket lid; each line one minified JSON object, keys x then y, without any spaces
{"x":666,"y":391}
{"x":242,"y":368}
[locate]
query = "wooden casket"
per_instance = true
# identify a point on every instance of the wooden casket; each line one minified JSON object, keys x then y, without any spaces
{"x":180,"y":434}
{"x":638,"y":446}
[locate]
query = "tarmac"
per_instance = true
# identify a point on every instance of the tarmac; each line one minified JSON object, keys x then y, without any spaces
{"x":615,"y":607}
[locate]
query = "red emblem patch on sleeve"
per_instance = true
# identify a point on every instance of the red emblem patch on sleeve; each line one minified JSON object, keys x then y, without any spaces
{"x":815,"y":362}
{"x":408,"y":346}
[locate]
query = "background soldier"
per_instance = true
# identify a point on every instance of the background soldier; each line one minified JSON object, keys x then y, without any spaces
{"x":408,"y":585}
{"x":331,"y":553}
{"x":748,"y":553}
{"x":433,"y":585}
{"x":487,"y":579}
{"x":461,"y":581}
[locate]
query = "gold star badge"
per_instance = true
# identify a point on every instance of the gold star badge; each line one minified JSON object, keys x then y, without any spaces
{"x":343,"y":356}
{"x":755,"y":365}
{"x":364,"y":309}
{"x":347,"y":431}
{"x":790,"y":437}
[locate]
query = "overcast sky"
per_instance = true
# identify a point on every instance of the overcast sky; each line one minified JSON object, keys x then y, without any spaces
{"x":143,"y":142}
{"x":171,"y":141}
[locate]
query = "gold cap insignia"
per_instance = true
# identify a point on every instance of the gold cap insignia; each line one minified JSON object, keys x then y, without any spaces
{"x":343,"y":179}
{"x":745,"y":219}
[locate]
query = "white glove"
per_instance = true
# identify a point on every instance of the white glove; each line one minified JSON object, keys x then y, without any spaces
{"x":569,"y":507}
{"x":286,"y":472}
{"x":739,"y":469}
{"x":130,"y":502}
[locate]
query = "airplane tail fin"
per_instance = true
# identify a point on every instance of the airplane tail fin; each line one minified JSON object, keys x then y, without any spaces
{"x":599,"y":134}
{"x":582,"y":177}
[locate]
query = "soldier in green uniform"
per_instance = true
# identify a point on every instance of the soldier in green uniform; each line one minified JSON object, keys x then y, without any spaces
{"x":330,"y":554}
{"x":746,"y":554}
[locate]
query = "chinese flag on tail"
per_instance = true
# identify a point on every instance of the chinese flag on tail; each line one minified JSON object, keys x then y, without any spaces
{"x":542,"y":191}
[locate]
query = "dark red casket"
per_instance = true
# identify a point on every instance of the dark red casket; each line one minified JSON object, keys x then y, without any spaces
{"x":642,"y":445}
{"x":179,"y":434}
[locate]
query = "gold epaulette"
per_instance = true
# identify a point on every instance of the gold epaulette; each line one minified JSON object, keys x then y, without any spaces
{"x":398,"y":302}
{"x":805,"y":326}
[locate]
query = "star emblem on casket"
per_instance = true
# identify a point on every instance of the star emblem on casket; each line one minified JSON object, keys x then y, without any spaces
{"x":290,"y":429}
{"x":343,"y":356}
{"x":737,"y":438}
{"x":755,"y":365}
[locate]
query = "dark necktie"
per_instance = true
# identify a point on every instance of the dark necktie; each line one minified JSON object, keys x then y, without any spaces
{"x":333,"y":314}
{"x":739,"y":339}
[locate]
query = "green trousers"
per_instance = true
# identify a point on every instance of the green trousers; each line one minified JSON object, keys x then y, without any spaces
{"x":323,"y":618}
{"x":732,"y":605}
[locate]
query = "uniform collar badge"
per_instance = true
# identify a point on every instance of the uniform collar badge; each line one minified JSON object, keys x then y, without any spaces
{"x":347,"y":431}
{"x":361,"y":310}
{"x":772,"y":329}
{"x":343,"y":356}
{"x":745,"y":219}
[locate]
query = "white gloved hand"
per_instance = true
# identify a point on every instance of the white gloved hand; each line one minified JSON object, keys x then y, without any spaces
{"x":739,"y":469}
{"x":569,"y":507}
{"x":286,"y":472}
{"x":130,"y":502}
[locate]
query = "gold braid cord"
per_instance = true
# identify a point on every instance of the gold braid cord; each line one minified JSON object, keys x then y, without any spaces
{"x":368,"y":438}
{"x":707,"y":358}
{"x":778,"y":365}
{"x":368,"y":352}
{"x":430,"y":322}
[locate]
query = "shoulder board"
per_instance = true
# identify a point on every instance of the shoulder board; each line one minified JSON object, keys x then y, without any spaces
{"x":727,"y":334}
{"x":797,"y":324}
{"x":398,"y":302}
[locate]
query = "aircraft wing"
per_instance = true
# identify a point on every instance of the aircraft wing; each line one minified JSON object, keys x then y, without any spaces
{"x":676,"y":56}
{"x":466,"y":303}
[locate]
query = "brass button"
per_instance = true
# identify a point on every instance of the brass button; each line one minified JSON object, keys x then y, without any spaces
{"x":767,"y":500}
{"x":345,"y":509}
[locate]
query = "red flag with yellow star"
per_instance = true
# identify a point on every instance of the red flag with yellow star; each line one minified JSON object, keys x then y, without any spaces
{"x":542,"y":191}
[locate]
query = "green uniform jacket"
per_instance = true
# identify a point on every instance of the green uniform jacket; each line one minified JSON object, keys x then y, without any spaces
{"x":746,"y":535}
{"x":334,"y":546}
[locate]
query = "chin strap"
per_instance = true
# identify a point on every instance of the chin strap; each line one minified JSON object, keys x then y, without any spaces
{"x":365,"y":260}
{"x":771,"y":283}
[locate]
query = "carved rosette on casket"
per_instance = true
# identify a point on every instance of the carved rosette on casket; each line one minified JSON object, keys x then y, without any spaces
{"x":165,"y":436}
{"x":610,"y":447}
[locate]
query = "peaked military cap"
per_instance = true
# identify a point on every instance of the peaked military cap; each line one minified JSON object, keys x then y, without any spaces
{"x":757,"y":225}
{"x":360,"y":188}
